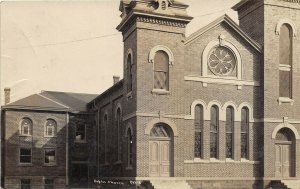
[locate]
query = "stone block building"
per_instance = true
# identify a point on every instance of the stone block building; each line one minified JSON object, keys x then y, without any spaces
{"x":217,"y":109}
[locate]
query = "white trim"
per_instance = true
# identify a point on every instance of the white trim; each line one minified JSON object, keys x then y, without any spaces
{"x":250,"y":111}
{"x":162,"y":48}
{"x":193,"y":106}
{"x":285,"y":100}
{"x":228,"y":45}
{"x":285,"y":125}
{"x":235,"y":110}
{"x":286,"y":21}
{"x":221,"y":81}
{"x":152,"y":123}
{"x":218,"y":104}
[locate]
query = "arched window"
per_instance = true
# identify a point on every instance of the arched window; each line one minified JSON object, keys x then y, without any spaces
{"x":285,"y":61}
{"x":214,"y":129}
{"x":244,"y":132}
{"x":129,"y":148}
{"x":129,"y":73}
{"x":229,"y":131}
{"x":26,"y":127}
{"x":161,"y":70}
{"x":50,"y":128}
{"x":198,"y":131}
{"x":105,"y":138}
{"x":119,"y":128}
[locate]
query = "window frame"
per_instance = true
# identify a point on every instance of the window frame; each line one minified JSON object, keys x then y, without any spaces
{"x":26,"y":185}
{"x":30,"y":127}
{"x":55,"y":157}
{"x":129,"y":142}
{"x":247,"y":122}
{"x":77,"y":140}
{"x":167,"y":73}
{"x":48,"y":185}
{"x":201,"y":125}
{"x":231,"y":122}
{"x":54,"y":128}
{"x":217,"y":119}
{"x":20,"y":155}
{"x":119,"y":124}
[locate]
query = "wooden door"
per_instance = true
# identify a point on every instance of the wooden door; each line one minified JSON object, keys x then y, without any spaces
{"x":283,"y":160}
{"x":160,"y":158}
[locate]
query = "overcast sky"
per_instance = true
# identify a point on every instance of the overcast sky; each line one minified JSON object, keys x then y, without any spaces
{"x":72,"y":46}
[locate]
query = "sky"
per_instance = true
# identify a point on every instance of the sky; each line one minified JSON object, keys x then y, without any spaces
{"x":72,"y":46}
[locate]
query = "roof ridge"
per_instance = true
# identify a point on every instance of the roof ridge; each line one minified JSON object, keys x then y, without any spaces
{"x":67,"y":92}
{"x":54,"y":101}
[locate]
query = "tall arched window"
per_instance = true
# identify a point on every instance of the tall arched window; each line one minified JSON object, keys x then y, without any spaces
{"x":285,"y":61}
{"x":161,"y":70}
{"x":129,"y":148}
{"x":26,"y":127}
{"x":118,"y":128}
{"x":105,"y":138}
{"x":229,"y":131}
{"x":244,"y":132}
{"x":214,"y":129}
{"x":129,"y":73}
{"x":198,"y":130}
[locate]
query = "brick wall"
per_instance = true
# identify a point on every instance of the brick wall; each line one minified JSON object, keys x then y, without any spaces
{"x":13,"y":170}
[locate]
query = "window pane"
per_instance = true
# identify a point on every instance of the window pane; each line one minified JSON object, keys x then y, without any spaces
{"x":285,"y":45}
{"x":161,"y":61}
{"x":25,"y":151}
{"x":25,"y":183}
{"x":26,"y":125}
{"x":229,"y":150}
{"x":80,"y":131}
{"x":49,"y":184}
{"x":49,"y":156}
{"x":198,"y":130}
{"x":129,"y":73}
{"x":244,"y":132}
{"x":285,"y":84}
{"x":160,"y":80}
{"x":214,"y":123}
{"x":229,"y":131}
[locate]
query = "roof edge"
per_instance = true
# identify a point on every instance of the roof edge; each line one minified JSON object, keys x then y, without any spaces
{"x":232,"y":24}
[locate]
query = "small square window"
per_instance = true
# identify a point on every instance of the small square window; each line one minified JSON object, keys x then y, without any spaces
{"x":50,"y":158}
{"x":49,"y":184}
{"x":25,"y":184}
{"x":25,"y":155}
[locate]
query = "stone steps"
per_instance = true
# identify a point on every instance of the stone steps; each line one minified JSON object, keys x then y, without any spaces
{"x":292,"y":184}
{"x":170,"y":184}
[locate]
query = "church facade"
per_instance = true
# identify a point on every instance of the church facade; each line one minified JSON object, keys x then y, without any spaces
{"x":217,"y":109}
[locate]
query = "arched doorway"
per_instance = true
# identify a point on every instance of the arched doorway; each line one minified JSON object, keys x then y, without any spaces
{"x":160,"y":151}
{"x":284,"y":153}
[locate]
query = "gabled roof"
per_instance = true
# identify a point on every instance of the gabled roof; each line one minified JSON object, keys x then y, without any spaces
{"x":225,"y":18}
{"x":53,"y":101}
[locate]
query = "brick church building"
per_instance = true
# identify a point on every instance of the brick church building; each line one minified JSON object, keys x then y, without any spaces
{"x":217,"y":109}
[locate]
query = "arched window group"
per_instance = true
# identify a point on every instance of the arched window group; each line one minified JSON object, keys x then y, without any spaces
{"x":26,"y":127}
{"x":214,"y":132}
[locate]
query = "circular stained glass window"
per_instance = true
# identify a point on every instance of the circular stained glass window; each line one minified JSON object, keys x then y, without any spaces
{"x":221,"y":61}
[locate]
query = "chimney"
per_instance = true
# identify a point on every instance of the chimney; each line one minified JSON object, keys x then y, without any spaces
{"x":6,"y":96}
{"x":116,"y":79}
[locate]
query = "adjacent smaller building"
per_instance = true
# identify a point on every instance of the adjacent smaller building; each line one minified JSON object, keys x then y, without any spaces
{"x":46,"y":140}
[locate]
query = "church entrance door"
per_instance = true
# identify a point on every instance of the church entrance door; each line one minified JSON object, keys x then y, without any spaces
{"x":160,"y":152}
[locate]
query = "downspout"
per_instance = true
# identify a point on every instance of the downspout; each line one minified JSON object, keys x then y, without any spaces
{"x":67,"y":149}
{"x":98,"y":151}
